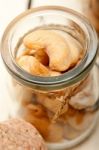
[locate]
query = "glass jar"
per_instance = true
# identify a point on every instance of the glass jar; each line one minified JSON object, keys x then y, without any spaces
{"x":63,"y":108}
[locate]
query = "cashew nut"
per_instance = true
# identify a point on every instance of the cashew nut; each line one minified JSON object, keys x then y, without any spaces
{"x":50,"y":103}
{"x":41,"y":123}
{"x":84,"y":98}
{"x":33,"y":66}
{"x":39,"y":54}
{"x":81,"y":120}
{"x":55,"y":133}
{"x":55,"y":46}
{"x":70,"y":133}
{"x":37,"y":110}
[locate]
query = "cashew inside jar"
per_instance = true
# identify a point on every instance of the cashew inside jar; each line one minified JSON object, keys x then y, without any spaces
{"x":50,"y":53}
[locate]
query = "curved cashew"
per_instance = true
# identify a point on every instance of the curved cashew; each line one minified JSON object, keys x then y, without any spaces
{"x":39,"y":54}
{"x":40,"y":122}
{"x":51,"y":104}
{"x":81,"y":120}
{"x":33,"y":66}
{"x":37,"y":110}
{"x":55,"y":133}
{"x":70,"y":133}
{"x":55,"y":46}
{"x":84,"y":98}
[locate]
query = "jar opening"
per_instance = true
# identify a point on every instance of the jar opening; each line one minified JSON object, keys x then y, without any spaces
{"x":49,"y":16}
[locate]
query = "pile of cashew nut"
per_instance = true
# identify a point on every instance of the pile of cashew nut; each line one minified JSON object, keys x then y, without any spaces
{"x":68,"y":126}
{"x":47,"y":53}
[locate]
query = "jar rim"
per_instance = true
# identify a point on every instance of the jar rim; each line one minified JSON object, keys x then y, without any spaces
{"x":57,"y":82}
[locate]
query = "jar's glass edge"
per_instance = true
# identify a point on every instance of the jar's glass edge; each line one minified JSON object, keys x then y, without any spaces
{"x":41,"y":80}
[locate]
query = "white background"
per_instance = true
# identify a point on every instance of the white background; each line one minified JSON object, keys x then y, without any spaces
{"x":8,"y":10}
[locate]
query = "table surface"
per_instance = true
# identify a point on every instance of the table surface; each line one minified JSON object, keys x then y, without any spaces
{"x":8,"y":10}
